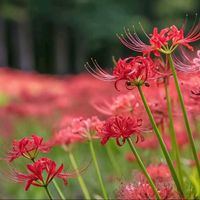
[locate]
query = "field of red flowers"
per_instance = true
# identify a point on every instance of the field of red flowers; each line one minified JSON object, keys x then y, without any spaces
{"x":133,"y":134}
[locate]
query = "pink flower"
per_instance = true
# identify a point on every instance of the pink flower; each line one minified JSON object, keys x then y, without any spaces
{"x":187,"y":62}
{"x":141,"y":190}
{"x":133,"y":42}
{"x":78,"y":130}
{"x":27,"y":147}
{"x":120,"y":127}
{"x":122,"y":104}
{"x":36,"y":171}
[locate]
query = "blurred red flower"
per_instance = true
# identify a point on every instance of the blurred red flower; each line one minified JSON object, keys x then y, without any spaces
{"x":27,"y":147}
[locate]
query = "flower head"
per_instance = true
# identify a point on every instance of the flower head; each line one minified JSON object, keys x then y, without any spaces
{"x":27,"y":147}
{"x":134,"y":70}
{"x":166,"y":40}
{"x":142,"y":190}
{"x":122,"y":104}
{"x":120,"y":127}
{"x":78,"y":130}
{"x":36,"y":173}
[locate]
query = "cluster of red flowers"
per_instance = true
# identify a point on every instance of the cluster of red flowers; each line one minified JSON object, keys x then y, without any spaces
{"x":29,"y":148}
{"x":142,"y":190}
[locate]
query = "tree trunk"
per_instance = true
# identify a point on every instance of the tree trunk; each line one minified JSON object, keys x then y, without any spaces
{"x":3,"y":49}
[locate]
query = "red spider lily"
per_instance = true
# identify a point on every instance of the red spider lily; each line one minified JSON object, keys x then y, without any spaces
{"x":142,"y":190}
{"x":65,"y":137}
{"x":36,"y":173}
{"x":122,"y":104}
{"x":28,"y":148}
{"x":164,"y":41}
{"x":169,"y":38}
{"x":134,"y":70}
{"x":120,"y":127}
{"x":158,"y":40}
{"x":187,"y":62}
{"x":78,"y":130}
{"x":159,"y":173}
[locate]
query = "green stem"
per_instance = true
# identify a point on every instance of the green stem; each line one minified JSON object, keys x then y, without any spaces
{"x":58,"y":190}
{"x":48,"y":193}
{"x":80,"y":179}
{"x":185,"y":115}
{"x":175,"y":149}
{"x":162,"y":144}
{"x":97,"y":169}
{"x":113,"y":160}
{"x":143,"y":168}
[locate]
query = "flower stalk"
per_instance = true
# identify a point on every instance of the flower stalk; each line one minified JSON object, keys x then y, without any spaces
{"x":48,"y":193}
{"x":187,"y":124}
{"x":140,"y":163}
{"x":162,"y":144}
{"x":97,"y":169}
{"x":175,"y":149}
{"x":80,"y":179}
{"x":112,"y":159}
{"x":58,"y":189}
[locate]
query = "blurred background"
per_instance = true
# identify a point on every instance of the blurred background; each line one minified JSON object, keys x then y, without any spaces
{"x":59,"y":36}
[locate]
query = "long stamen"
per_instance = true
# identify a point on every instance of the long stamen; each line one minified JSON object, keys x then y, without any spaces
{"x":98,"y":72}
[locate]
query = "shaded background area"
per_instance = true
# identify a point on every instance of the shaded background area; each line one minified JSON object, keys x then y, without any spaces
{"x":59,"y":36}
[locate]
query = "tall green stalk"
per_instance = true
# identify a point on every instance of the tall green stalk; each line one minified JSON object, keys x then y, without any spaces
{"x":80,"y":179}
{"x":97,"y":169}
{"x":143,"y":168}
{"x":113,"y":160}
{"x":187,"y":124}
{"x":175,"y":149}
{"x":48,"y":193}
{"x":58,"y":190}
{"x":162,"y":144}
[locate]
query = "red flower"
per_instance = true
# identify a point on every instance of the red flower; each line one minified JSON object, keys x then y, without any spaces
{"x":177,"y":36}
{"x":158,"y":40}
{"x":142,"y":190}
{"x":120,"y":127}
{"x":164,"y":41}
{"x":135,"y":70}
{"x":122,"y":104}
{"x":27,"y":147}
{"x":36,"y":171}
